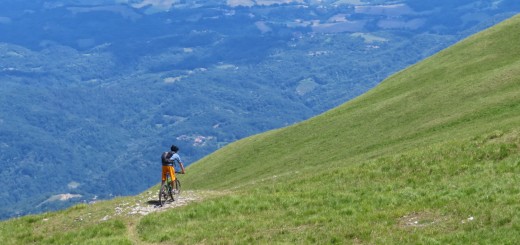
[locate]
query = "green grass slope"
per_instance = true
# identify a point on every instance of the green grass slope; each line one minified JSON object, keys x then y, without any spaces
{"x":466,"y":90}
{"x":430,"y":156}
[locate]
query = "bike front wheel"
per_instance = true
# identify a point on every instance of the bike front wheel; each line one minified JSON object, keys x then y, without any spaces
{"x":176,"y":187}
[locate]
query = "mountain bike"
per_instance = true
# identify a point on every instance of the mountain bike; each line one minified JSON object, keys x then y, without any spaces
{"x":166,"y":192}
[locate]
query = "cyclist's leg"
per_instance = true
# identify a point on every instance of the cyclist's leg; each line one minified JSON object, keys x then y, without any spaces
{"x":165,"y":171}
{"x":172,"y":174}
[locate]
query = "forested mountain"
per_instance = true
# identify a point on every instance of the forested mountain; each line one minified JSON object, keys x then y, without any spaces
{"x":431,"y":155}
{"x":91,"y":92}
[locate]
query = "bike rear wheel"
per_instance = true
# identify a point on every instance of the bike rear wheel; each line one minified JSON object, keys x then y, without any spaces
{"x":165,"y":194}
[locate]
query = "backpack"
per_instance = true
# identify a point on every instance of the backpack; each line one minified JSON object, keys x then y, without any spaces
{"x":165,"y":157}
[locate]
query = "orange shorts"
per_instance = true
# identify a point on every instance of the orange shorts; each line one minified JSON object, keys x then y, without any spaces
{"x":168,"y":170}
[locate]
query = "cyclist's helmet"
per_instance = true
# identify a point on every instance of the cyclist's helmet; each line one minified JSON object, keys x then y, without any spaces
{"x":174,"y":148}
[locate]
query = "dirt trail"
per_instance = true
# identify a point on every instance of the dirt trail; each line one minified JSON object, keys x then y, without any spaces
{"x":147,"y":203}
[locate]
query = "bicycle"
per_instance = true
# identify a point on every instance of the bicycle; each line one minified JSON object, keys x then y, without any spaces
{"x":166,"y":192}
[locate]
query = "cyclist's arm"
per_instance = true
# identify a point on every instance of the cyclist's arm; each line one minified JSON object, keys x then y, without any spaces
{"x":182,"y":167}
{"x":177,"y":158}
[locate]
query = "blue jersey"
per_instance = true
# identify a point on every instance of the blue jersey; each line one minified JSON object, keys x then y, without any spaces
{"x":176,"y":159}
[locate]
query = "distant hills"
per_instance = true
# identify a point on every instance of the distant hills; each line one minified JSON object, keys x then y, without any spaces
{"x":93,"y":91}
{"x":430,"y":155}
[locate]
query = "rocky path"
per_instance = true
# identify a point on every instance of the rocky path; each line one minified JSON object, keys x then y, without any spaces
{"x":148,"y":203}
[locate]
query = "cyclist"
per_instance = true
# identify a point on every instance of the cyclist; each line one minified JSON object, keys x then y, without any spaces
{"x":169,"y":159}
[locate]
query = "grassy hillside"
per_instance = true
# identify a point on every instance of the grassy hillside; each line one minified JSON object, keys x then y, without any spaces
{"x":431,"y":155}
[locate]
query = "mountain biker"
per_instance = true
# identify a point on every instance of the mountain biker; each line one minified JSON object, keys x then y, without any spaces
{"x":169,"y":159}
